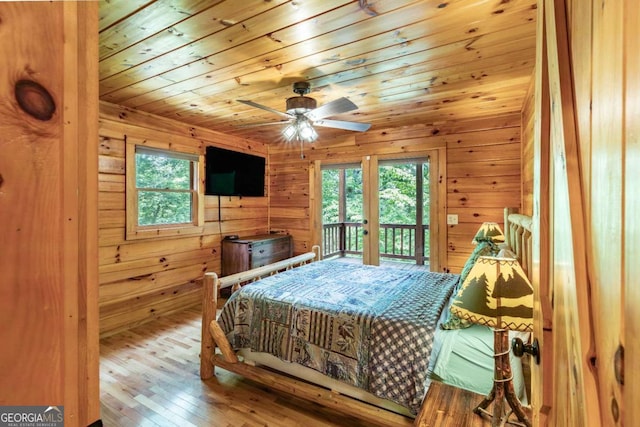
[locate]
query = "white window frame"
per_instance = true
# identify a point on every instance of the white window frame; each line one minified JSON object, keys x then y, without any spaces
{"x":196,"y":226}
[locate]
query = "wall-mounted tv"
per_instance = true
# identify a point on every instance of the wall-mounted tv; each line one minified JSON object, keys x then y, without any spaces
{"x":232,"y":173}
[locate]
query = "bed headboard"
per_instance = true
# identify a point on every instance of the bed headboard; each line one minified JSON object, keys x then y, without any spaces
{"x":517,"y":233}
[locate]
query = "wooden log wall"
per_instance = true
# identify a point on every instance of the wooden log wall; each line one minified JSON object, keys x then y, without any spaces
{"x":143,"y":279}
{"x":482,"y":175}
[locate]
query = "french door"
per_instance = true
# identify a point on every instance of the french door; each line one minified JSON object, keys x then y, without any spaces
{"x":380,"y":207}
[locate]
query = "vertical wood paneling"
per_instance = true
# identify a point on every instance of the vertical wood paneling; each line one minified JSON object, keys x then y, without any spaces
{"x":47,"y":220}
{"x":606,"y":184}
{"x":315,"y":179}
{"x":146,"y":278}
{"x":631,"y":226}
{"x":572,"y":322}
{"x":528,"y":135}
{"x":580,"y":17}
{"x":370,"y":200}
{"x":542,"y":374}
{"x":81,"y":114}
{"x":437,"y":220}
{"x":604,"y":69}
{"x":32,"y":210}
{"x":602,"y":84}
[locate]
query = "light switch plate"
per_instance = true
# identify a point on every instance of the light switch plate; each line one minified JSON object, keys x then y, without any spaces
{"x":452,"y":219}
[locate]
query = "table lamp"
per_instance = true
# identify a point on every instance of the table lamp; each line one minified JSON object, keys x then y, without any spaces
{"x":489,"y":231}
{"x":497,"y":293}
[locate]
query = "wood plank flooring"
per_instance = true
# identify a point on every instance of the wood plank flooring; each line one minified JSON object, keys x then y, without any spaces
{"x":150,"y":377}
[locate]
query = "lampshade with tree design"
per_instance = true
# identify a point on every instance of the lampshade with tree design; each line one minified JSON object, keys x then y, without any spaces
{"x":496,"y":293}
{"x":489,"y":231}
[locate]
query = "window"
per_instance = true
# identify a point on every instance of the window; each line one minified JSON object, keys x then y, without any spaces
{"x":164,"y":194}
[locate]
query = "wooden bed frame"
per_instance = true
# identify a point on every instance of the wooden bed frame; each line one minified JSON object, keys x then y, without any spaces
{"x":517,"y":235}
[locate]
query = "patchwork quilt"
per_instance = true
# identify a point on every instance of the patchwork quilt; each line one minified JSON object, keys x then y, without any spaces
{"x":371,"y":327}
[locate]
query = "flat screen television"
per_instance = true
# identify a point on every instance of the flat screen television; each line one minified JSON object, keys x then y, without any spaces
{"x":232,"y":173}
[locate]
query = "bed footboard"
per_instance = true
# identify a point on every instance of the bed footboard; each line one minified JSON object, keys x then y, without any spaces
{"x":212,"y":335}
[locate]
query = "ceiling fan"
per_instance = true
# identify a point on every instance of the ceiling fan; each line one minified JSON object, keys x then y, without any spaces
{"x":303,"y":114}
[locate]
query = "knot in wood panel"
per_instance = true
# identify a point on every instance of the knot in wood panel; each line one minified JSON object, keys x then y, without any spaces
{"x":366,"y":8}
{"x":34,"y":99}
{"x":618,"y":367}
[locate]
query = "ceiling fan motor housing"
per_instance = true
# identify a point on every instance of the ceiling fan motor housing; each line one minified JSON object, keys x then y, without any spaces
{"x":300,"y":104}
{"x":301,"y":88}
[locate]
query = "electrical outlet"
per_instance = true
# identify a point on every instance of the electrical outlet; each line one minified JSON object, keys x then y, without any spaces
{"x":452,"y":219}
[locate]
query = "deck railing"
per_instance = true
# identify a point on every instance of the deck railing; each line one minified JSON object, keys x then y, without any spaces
{"x":397,"y":241}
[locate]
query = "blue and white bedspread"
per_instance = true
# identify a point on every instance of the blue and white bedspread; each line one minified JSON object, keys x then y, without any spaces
{"x":371,"y":327}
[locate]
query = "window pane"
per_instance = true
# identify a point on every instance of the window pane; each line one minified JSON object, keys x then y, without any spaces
{"x":156,"y":171}
{"x":353,"y":190}
{"x":330,"y":193}
{"x":397,"y":188}
{"x":160,"y":207}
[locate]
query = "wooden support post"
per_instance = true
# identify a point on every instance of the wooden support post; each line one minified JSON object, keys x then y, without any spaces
{"x":209,"y":305}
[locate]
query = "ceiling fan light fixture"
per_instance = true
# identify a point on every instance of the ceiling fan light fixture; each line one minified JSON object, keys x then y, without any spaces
{"x":289,"y":132}
{"x":300,"y":130}
{"x":307,"y":132}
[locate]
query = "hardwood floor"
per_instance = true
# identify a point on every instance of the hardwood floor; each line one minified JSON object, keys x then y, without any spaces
{"x":149,"y":376}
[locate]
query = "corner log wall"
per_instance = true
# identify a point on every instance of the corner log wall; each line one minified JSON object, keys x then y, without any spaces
{"x":482,"y":175}
{"x":143,"y":279}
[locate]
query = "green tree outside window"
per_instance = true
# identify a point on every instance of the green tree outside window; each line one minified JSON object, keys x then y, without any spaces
{"x":165,"y":186}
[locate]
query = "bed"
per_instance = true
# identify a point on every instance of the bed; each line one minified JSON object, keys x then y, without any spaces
{"x":332,"y":339}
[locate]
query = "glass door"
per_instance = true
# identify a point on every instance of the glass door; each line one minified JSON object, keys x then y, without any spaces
{"x":404,"y":210}
{"x":342,"y":215}
{"x":377,"y":209}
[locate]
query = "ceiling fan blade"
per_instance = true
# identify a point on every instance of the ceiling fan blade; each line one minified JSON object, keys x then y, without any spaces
{"x":264,"y":107}
{"x":337,"y":106}
{"x":339,"y":124}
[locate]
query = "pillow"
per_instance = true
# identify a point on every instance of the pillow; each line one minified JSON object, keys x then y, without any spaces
{"x":485,"y":247}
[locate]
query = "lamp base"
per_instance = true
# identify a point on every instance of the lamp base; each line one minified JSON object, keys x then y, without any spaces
{"x":523,"y":421}
{"x":502,"y":389}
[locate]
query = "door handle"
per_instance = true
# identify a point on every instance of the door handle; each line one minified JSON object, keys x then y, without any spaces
{"x":520,"y":348}
{"x":365,"y":232}
{"x":365,"y":222}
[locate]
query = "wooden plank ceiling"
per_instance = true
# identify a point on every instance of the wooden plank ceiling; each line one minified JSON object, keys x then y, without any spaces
{"x":402,"y":62}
